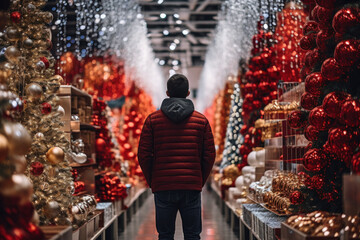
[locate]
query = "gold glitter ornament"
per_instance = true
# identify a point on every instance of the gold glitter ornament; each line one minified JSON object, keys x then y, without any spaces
{"x":55,"y":155}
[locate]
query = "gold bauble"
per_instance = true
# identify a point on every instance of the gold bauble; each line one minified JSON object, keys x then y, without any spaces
{"x":231,"y":171}
{"x":18,"y":187}
{"x":12,"y":54}
{"x":55,"y":155}
{"x":5,"y":71}
{"x":4,"y":147}
{"x":12,"y":34}
{"x":18,"y":137}
{"x":28,"y":43}
{"x":51,"y":209}
{"x":33,"y":92}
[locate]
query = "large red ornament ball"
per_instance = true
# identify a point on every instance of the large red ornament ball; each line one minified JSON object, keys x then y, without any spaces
{"x":345,"y":19}
{"x":15,"y":17}
{"x":326,"y":3}
{"x":45,"y":61}
{"x":46,"y":108}
{"x":356,"y":164}
{"x":100,"y":145}
{"x":331,"y":70}
{"x":314,"y":83}
{"x":297,"y":119}
{"x":296,"y":198}
{"x":333,"y":102}
{"x":315,"y":160}
{"x":317,"y":182}
{"x":319,"y":119}
{"x":36,"y":168}
{"x":342,"y":139}
{"x":316,"y":57}
{"x":311,"y":133}
{"x":310,"y":26}
{"x":325,"y":16}
{"x":314,"y":13}
{"x":308,"y":101}
{"x":350,"y":113}
{"x":347,"y":53}
{"x":308,"y":42}
{"x":244,"y":150}
{"x":325,"y":39}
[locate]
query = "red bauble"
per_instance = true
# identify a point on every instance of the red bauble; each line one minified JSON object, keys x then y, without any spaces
{"x":314,"y":160}
{"x":266,"y":100}
{"x":308,"y":101}
{"x":257,"y":104}
{"x":331,"y":70}
{"x":15,"y":17}
{"x":345,"y":19}
{"x":347,"y":53}
{"x":325,"y":16}
{"x":274,"y":73}
{"x":274,"y":95}
{"x":326,"y":3}
{"x":316,"y":57}
{"x":243,"y":129}
{"x":332,"y":103}
{"x":317,"y":182}
{"x":36,"y":168}
{"x":319,"y":119}
{"x":311,"y":133}
{"x":249,"y":88}
{"x":310,"y":26}
{"x":308,"y":42}
{"x":342,"y":139}
{"x":249,"y":97}
{"x":45,"y":61}
{"x":314,"y":83}
{"x":350,"y":113}
{"x":325,"y":39}
{"x":256,"y":62}
{"x":296,"y":198}
{"x":314,"y":13}
{"x":273,"y":86}
{"x":265,"y":58}
{"x":100,"y":145}
{"x":264,"y":87}
{"x":260,"y":76}
{"x":244,"y":150}
{"x":297,"y":119}
{"x":46,"y":108}
{"x":356,"y":164}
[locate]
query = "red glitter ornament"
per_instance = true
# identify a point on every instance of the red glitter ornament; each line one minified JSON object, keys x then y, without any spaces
{"x":15,"y":17}
{"x":45,"y":61}
{"x":319,"y":119}
{"x":308,"y":101}
{"x":317,"y":182}
{"x":36,"y":168}
{"x":314,"y":83}
{"x":333,"y":102}
{"x":342,"y":139}
{"x":331,"y":70}
{"x":100,"y":145}
{"x":274,"y":73}
{"x":310,"y":26}
{"x":297,"y":119}
{"x":356,"y":164}
{"x":315,"y":160}
{"x":345,"y":19}
{"x":308,"y":42}
{"x":46,"y":108}
{"x":347,"y":53}
{"x":350,"y":113}
{"x":244,"y":150}
{"x":325,"y":16}
{"x":325,"y":39}
{"x":311,"y":133}
{"x":326,"y":3}
{"x":314,"y":13}
{"x":296,"y":198}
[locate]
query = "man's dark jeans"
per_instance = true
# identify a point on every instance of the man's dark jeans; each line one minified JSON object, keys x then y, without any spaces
{"x":167,"y":204}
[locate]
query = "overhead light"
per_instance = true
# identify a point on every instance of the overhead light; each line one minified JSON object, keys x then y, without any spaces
{"x":177,"y":41}
{"x":162,"y":62}
{"x":162,"y":15}
{"x":171,"y":72}
{"x":156,"y":60}
{"x":185,"y":31}
{"x":175,"y":62}
{"x":151,"y":18}
{"x":166,"y":32}
{"x":172,"y":46}
{"x":160,"y":1}
{"x":178,"y":22}
{"x":176,"y":15}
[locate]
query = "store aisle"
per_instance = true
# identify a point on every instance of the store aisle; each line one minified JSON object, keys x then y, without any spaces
{"x":142,"y":226}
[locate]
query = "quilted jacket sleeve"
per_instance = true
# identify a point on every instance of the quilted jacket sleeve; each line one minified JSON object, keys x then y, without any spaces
{"x":208,"y":156}
{"x":146,"y":150}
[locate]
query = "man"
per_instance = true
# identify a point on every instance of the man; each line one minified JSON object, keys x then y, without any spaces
{"x":176,"y":154}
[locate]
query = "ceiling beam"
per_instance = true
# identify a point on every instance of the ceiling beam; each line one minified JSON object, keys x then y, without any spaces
{"x":192,"y":4}
{"x":177,"y":3}
{"x":198,"y":30}
{"x":157,"y":12}
{"x":209,"y":22}
{"x":203,"y":5}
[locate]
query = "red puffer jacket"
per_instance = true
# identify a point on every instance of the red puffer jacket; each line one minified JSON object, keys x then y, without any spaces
{"x":176,"y":148}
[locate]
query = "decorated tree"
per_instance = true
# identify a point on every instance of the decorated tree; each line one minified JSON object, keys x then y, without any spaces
{"x":330,"y":102}
{"x":28,"y":41}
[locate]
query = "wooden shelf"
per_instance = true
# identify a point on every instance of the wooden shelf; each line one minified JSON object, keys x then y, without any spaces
{"x":71,"y":90}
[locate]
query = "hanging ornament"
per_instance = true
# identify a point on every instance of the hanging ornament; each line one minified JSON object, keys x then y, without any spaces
{"x":346,"y":19}
{"x":315,"y":160}
{"x":356,"y":164}
{"x":36,"y":168}
{"x":342,"y":139}
{"x":325,"y":16}
{"x":317,"y":182}
{"x":296,"y":198}
{"x":331,"y":70}
{"x":333,"y":102}
{"x":33,"y":92}
{"x":15,"y":17}
{"x":350,"y":113}
{"x":347,"y":53}
{"x":310,"y":26}
{"x":308,"y":42}
{"x":100,"y":145}
{"x":311,"y":133}
{"x":308,"y":101}
{"x":297,"y":119}
{"x":314,"y":83}
{"x":46,"y":108}
{"x":319,"y":119}
{"x":55,"y":155}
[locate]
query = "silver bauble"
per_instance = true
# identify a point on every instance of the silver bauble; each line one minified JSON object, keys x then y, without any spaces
{"x":18,"y":137}
{"x":33,"y":91}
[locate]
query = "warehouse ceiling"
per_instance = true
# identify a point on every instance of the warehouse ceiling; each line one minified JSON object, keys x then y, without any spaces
{"x":180,"y":30}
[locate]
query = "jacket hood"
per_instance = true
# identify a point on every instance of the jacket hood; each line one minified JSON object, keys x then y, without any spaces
{"x":177,"y":109}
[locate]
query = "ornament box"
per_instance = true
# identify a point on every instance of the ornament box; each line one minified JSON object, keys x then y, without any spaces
{"x":290,"y":233}
{"x":57,"y":232}
{"x":108,"y":212}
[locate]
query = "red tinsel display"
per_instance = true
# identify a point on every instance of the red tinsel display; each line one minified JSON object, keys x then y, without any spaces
{"x":110,"y":188}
